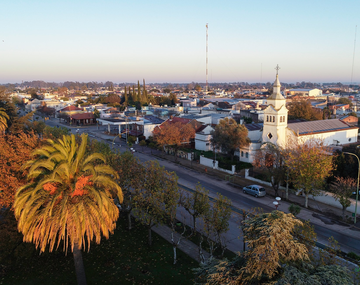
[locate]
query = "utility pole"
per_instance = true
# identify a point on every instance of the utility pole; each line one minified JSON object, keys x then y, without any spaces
{"x":207,"y":88}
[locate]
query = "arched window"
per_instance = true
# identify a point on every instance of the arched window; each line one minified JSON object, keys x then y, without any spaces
{"x":274,"y":119}
{"x":281,"y":119}
{"x":267,"y":118}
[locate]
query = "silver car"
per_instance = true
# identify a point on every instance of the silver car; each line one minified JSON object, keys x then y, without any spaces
{"x":256,"y":190}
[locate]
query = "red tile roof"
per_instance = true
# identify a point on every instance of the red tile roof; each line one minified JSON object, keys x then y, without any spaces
{"x":71,"y":108}
{"x":83,"y":116}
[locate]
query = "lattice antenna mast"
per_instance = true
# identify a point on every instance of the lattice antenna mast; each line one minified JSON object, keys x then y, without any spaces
{"x":352,"y":69}
{"x":207,"y":38}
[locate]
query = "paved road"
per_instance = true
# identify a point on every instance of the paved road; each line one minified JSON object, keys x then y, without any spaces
{"x":190,"y":178}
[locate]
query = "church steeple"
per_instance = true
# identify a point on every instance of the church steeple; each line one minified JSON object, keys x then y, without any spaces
{"x":276,"y":99}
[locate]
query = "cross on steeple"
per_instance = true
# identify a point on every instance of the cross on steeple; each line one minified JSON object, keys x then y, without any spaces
{"x":277,"y":69}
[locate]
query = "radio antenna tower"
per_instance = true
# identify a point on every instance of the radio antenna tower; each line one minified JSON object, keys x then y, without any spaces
{"x":352,"y":69}
{"x":207,"y":88}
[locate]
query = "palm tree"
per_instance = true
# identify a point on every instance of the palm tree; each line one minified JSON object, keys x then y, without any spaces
{"x":68,"y":199}
{"x":3,"y":120}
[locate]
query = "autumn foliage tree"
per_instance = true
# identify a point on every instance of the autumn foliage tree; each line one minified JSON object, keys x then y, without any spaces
{"x":343,"y":188}
{"x":309,"y":164}
{"x":173,"y":134}
{"x":229,"y":136}
{"x":270,"y":158}
{"x":271,"y":243}
{"x":15,"y":150}
{"x":302,"y":109}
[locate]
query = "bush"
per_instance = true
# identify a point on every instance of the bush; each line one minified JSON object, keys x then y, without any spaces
{"x":294,"y":209}
{"x":353,"y":255}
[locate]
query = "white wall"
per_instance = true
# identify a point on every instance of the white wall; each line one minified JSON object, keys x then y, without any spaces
{"x":202,"y":142}
{"x":330,"y":138}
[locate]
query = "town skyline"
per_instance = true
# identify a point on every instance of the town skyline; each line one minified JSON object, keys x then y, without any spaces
{"x":165,"y":42}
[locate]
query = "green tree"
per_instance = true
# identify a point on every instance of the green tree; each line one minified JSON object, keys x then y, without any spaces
{"x":345,"y":101}
{"x":196,"y":204}
{"x":309,"y":164}
{"x":150,"y":200}
{"x":216,"y":224}
{"x":130,"y":171}
{"x":229,"y":136}
{"x":68,"y":198}
{"x":96,"y":113}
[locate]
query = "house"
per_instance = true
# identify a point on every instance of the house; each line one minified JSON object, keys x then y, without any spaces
{"x":304,"y":92}
{"x":82,"y":119}
{"x":350,"y":120}
{"x":203,"y":137}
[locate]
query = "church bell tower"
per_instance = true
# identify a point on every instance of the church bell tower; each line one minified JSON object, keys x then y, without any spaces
{"x":275,"y":116}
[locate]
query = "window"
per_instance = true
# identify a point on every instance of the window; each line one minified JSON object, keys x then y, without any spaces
{"x":247,"y":155}
{"x":274,"y":119}
{"x":242,"y":154}
{"x":349,"y":139}
{"x":281,"y":119}
{"x":267,"y":118}
{"x":269,"y":135}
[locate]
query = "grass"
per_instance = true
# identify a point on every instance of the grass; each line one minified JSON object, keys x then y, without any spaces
{"x":125,"y":258}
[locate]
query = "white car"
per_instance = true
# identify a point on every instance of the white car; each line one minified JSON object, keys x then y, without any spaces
{"x":256,"y":190}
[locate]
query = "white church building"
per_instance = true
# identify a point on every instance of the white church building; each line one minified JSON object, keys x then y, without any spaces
{"x":277,"y":130}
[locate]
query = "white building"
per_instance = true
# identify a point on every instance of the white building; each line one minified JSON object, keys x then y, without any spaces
{"x":278,"y":131}
{"x":203,"y":137}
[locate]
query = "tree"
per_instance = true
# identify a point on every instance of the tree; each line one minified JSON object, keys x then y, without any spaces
{"x":150,"y":199}
{"x":96,"y":113}
{"x":15,"y":150}
{"x":345,"y":101}
{"x":173,"y":134}
{"x":130,"y":172}
{"x":271,"y":159}
{"x":196,"y":204}
{"x":216,"y":224}
{"x":271,"y":243}
{"x":343,"y":189}
{"x":302,"y":109}
{"x":309,"y":164}
{"x":68,"y":198}
{"x":229,"y":136}
{"x":3,"y":120}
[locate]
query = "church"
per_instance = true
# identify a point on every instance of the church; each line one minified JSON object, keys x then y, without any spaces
{"x":278,"y":131}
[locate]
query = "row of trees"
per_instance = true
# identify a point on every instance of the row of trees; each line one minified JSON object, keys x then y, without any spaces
{"x":307,"y":166}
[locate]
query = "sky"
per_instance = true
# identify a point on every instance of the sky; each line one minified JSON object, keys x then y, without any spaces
{"x":165,"y":41}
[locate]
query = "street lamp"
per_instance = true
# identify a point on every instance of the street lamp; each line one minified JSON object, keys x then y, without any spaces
{"x":357,"y":187}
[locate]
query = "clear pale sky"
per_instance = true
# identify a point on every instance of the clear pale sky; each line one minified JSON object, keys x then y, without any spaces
{"x":165,"y":41}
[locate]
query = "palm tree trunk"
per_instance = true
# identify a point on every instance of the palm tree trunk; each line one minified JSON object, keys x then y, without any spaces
{"x":79,"y":266}
{"x":129,"y":220}
{"x":150,"y":238}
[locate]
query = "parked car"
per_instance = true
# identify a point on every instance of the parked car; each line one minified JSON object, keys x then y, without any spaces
{"x":256,"y":190}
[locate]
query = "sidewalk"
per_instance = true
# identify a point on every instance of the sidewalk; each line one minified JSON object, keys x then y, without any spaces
{"x":185,"y":245}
